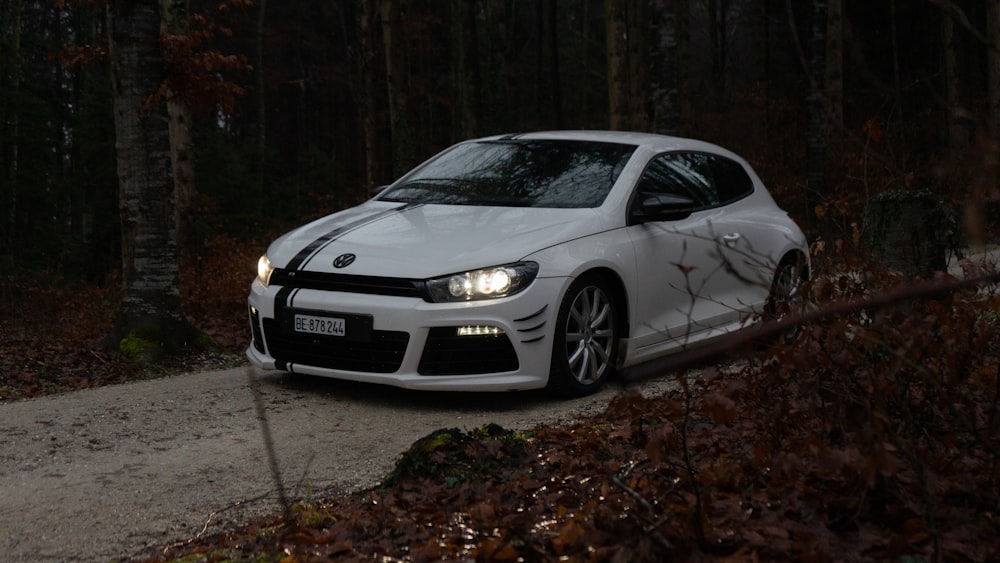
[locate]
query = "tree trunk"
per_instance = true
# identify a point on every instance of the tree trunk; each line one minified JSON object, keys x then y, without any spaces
{"x":896,"y":79}
{"x":467,"y":78}
{"x":174,"y":21}
{"x":957,"y":138}
{"x":816,"y":140}
{"x":403,"y":140}
{"x":637,"y":18}
{"x":717,"y":10}
{"x":685,"y":93}
{"x":760,"y":71}
{"x":367,"y":61}
{"x":552,"y":36}
{"x":835,"y":62}
{"x":10,"y":120}
{"x":663,"y":51}
{"x":150,"y":308}
{"x":617,"y":49}
{"x":261,"y":95}
{"x":993,"y":64}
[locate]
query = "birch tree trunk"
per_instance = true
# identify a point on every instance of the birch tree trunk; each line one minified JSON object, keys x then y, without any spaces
{"x":150,"y":307}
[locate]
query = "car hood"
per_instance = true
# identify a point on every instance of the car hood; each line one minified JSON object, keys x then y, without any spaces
{"x":422,"y":241}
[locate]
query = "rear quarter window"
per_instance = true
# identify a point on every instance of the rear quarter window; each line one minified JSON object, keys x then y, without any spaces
{"x":731,"y":180}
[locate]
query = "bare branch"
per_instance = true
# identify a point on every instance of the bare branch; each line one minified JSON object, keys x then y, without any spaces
{"x":768,"y":329}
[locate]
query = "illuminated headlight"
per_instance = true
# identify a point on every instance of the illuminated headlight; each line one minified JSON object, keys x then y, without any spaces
{"x":264,"y":270}
{"x":488,"y":283}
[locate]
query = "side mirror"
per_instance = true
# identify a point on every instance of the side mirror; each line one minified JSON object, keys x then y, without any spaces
{"x":660,"y":207}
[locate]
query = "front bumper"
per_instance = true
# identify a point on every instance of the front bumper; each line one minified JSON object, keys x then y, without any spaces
{"x":408,"y":342}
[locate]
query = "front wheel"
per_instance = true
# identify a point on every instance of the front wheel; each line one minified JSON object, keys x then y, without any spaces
{"x":586,"y":339}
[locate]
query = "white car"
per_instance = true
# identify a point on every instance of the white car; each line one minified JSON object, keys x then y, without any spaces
{"x":525,"y":261}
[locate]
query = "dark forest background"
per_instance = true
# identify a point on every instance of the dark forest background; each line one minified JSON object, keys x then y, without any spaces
{"x":300,"y":108}
{"x":874,"y":436}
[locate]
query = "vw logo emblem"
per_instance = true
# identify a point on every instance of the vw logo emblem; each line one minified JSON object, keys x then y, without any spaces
{"x":343,"y":261}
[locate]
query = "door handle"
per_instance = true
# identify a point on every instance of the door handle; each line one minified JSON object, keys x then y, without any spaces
{"x":731,"y":239}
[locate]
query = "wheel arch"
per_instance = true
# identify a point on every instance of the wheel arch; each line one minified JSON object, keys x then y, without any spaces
{"x":619,"y":294}
{"x":796,"y":256}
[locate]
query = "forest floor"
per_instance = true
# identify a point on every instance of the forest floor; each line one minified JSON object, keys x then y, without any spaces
{"x":837,"y":449}
{"x":52,"y":331}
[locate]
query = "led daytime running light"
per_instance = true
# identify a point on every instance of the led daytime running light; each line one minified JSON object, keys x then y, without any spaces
{"x":477,"y":330}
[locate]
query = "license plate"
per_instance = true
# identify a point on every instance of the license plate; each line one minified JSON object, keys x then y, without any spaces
{"x":328,"y":326}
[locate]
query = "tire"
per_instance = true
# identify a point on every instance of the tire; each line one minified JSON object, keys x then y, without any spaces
{"x":585,"y":347}
{"x":783,"y":297}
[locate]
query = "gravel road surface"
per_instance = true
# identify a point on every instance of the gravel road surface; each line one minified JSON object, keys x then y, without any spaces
{"x":112,"y":473}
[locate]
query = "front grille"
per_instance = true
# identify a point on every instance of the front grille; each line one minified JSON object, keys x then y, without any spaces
{"x":382,"y":353}
{"x":399,"y":287}
{"x":446,"y":353}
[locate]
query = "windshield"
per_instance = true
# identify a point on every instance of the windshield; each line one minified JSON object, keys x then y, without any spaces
{"x":517,"y":173}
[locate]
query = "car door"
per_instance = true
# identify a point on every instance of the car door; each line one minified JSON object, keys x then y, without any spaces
{"x":743,"y":233}
{"x":687,"y":285}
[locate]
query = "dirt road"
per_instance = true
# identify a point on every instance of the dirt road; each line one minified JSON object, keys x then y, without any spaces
{"x":110,"y":473}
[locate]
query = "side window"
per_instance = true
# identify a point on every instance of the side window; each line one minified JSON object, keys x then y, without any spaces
{"x":731,"y":179}
{"x":686,"y":174}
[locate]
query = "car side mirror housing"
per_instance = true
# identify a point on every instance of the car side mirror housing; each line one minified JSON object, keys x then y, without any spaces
{"x":660,"y":207}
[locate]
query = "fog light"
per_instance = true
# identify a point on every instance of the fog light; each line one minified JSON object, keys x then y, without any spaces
{"x":479,"y":331}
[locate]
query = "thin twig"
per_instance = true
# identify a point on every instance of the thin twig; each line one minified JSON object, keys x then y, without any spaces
{"x":272,"y":456}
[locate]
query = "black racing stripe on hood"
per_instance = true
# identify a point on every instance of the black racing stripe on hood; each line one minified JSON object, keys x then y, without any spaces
{"x":304,"y":255}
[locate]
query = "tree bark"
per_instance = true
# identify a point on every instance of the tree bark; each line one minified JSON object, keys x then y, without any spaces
{"x":835,"y":61}
{"x":261,"y":95}
{"x":367,"y":13}
{"x":957,"y":139}
{"x":552,"y":36}
{"x":816,"y":141}
{"x":664,"y":63}
{"x":637,"y":18}
{"x":467,"y":77}
{"x":617,"y":49}
{"x":12,"y":115}
{"x":993,"y":64}
{"x":685,"y":93}
{"x":174,"y":21}
{"x":403,"y":149}
{"x":150,"y":307}
{"x":717,"y":11}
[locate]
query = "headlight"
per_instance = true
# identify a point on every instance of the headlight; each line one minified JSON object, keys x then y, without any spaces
{"x":264,"y":270}
{"x":488,"y":283}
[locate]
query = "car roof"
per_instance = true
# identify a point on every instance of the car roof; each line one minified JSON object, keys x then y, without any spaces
{"x":653,"y":141}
